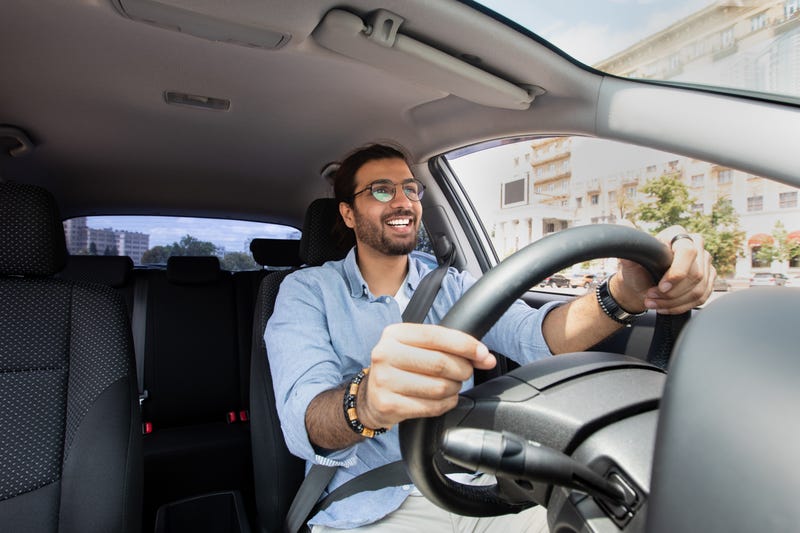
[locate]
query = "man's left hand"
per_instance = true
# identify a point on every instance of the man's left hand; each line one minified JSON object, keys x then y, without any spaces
{"x":687,"y":283}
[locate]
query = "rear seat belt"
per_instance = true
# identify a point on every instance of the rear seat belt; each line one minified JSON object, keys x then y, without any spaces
{"x":389,"y":475}
{"x":139,"y":327}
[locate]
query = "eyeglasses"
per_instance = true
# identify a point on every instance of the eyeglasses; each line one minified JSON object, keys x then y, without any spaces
{"x":384,"y":190}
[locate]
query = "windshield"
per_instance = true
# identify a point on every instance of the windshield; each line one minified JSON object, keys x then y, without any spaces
{"x":750,"y":45}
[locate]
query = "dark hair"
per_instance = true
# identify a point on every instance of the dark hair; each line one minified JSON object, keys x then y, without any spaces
{"x":344,"y":181}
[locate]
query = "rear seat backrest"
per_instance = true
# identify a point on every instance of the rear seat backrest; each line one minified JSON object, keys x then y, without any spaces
{"x":191,"y":361}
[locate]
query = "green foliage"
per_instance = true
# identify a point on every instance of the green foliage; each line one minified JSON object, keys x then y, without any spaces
{"x":782,"y":249}
{"x":720,"y":229}
{"x":722,"y":235}
{"x":235,"y":261}
{"x":188,"y":246}
{"x":671,"y":205}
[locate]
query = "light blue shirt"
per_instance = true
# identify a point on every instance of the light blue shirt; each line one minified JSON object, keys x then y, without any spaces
{"x":322,"y":332}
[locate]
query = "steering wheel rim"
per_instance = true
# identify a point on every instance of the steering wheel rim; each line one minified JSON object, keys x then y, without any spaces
{"x":485,"y":302}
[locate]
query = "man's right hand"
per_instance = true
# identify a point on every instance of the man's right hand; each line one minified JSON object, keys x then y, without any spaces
{"x":417,"y":370}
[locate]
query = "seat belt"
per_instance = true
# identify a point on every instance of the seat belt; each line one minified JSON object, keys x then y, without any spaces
{"x":390,"y":475}
{"x":139,"y":327}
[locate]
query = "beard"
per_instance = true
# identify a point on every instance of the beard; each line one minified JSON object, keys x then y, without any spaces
{"x":375,"y":235}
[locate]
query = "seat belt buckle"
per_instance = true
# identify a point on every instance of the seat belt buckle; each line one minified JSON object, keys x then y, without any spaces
{"x":142,"y":397}
{"x":244,"y":415}
{"x":147,"y":428}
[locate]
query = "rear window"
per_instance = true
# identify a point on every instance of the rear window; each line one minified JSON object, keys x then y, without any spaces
{"x":151,"y":240}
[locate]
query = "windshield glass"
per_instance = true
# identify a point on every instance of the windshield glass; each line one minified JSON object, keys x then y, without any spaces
{"x":751,"y":45}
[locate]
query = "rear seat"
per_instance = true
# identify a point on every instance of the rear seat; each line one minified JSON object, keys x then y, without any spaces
{"x":192,"y":377}
{"x":196,"y":367}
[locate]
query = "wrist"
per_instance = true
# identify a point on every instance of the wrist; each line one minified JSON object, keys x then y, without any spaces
{"x":630,"y":302}
{"x":356,"y":412}
{"x":611,"y":307}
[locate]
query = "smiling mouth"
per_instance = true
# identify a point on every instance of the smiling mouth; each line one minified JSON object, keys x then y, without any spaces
{"x":399,"y":222}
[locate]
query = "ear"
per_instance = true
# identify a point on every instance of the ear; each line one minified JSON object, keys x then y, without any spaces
{"x":346,"y":210}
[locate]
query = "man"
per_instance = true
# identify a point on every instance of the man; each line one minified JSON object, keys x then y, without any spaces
{"x":338,"y":327}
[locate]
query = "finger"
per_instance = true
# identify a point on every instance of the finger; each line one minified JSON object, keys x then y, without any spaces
{"x":687,"y":268}
{"x":404,"y":383}
{"x":416,"y":360}
{"x":697,"y":295}
{"x":395,"y":408}
{"x":442,"y":339}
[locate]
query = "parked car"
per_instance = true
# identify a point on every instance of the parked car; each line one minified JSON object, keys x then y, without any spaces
{"x":585,"y":280}
{"x":208,"y":110}
{"x":768,"y":279}
{"x":721,"y":285}
{"x":555,"y":281}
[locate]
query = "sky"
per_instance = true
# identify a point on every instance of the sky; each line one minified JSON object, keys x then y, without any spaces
{"x":593,"y":30}
{"x":231,"y":234}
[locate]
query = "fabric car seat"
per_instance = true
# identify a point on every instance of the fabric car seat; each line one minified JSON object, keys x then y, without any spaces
{"x":70,"y":445}
{"x":277,"y":472}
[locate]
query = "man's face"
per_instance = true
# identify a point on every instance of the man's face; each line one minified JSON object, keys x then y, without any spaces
{"x":389,"y":228}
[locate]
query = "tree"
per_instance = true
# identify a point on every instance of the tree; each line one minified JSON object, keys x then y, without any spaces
{"x":781,"y":249}
{"x":92,"y":248}
{"x":671,"y":205}
{"x":722,"y":235}
{"x":156,"y":255}
{"x":720,"y":229}
{"x":235,"y":261}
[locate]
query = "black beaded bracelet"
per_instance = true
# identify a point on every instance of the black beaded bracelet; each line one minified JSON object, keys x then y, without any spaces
{"x":349,"y":405}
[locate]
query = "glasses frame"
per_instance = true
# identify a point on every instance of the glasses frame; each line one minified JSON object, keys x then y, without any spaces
{"x":389,"y":183}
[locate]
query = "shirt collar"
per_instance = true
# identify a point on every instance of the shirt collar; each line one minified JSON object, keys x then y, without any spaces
{"x":359,"y":288}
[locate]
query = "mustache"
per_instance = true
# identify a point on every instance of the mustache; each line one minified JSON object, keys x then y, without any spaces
{"x":400,"y":213}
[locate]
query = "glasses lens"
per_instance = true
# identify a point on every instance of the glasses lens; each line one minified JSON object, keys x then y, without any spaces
{"x":414,"y":190}
{"x":383,"y":192}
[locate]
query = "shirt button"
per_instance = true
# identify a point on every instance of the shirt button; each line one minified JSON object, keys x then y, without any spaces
{"x":406,"y":487}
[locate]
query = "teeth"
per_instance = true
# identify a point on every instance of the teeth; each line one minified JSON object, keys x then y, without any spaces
{"x":399,"y":222}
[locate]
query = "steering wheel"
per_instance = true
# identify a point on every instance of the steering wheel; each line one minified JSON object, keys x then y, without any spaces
{"x":478,"y":310}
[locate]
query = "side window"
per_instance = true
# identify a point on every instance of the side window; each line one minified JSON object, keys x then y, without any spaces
{"x":750,"y":223}
{"x":151,"y":240}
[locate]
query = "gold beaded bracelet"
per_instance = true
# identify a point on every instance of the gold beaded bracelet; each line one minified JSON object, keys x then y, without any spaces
{"x":349,"y":405}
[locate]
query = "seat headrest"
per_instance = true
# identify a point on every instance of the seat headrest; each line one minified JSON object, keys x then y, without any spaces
{"x":318,"y":244}
{"x":110,"y":270}
{"x":184,"y":270}
{"x":276,"y":252}
{"x":32,"y":239}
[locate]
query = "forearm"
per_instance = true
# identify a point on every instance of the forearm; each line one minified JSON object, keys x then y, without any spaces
{"x":582,"y":323}
{"x":325,"y":423}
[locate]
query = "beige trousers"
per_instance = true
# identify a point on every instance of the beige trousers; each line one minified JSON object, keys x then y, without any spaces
{"x":418,"y":515}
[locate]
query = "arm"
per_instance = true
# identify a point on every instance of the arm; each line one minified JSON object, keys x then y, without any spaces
{"x":687,"y":283}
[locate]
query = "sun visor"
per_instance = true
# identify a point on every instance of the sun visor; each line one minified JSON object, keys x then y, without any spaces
{"x":378,"y":42}
{"x":161,"y":13}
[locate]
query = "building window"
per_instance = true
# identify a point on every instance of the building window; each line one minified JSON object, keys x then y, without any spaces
{"x":755,"y":262}
{"x":515,"y":192}
{"x":788,"y":199}
{"x":725,"y":176}
{"x":549,"y":227}
{"x":727,"y":38}
{"x":755,"y":203}
{"x":651,"y":168}
{"x":791,"y":7}
{"x":612,"y":196}
{"x":758,"y":22}
{"x":697,"y":208}
{"x":579,"y":201}
{"x":595,"y":199}
{"x":630,"y":192}
{"x":698,"y":179}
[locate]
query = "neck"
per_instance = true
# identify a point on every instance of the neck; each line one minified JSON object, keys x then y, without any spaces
{"x":383,"y":273}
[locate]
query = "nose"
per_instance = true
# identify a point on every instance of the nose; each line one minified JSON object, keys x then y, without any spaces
{"x":400,"y":199}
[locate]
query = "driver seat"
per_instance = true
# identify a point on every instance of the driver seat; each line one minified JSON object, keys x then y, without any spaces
{"x":277,"y":473}
{"x":70,"y":445}
{"x":726,"y":448}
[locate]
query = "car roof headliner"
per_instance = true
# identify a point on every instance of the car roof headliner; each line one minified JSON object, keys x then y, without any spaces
{"x":87,"y":85}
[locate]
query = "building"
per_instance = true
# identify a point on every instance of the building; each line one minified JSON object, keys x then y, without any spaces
{"x":747,"y":44}
{"x":83,"y":240}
